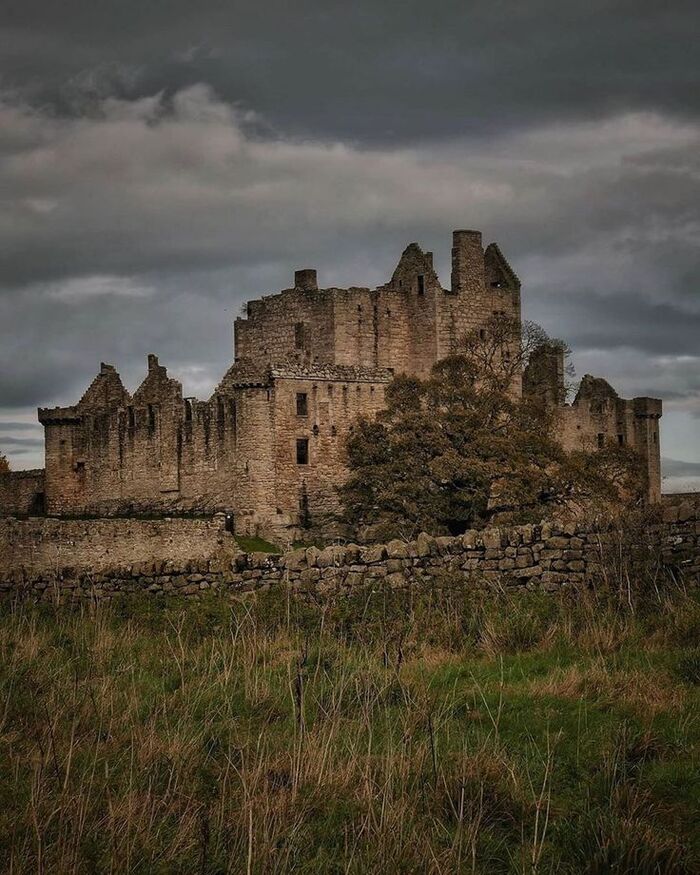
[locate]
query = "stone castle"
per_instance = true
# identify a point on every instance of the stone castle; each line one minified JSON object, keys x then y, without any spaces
{"x":268,"y":446}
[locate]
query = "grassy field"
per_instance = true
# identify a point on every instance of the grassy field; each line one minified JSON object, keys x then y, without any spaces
{"x":393,"y":732}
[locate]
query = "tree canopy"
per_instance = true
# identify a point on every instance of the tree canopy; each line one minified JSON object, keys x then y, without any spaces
{"x":4,"y":464}
{"x":454,"y":450}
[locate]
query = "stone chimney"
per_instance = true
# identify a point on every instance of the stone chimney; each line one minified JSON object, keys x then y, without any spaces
{"x":467,"y":262}
{"x":305,"y":279}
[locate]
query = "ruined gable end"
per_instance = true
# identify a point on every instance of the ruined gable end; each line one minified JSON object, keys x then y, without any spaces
{"x":105,"y":392}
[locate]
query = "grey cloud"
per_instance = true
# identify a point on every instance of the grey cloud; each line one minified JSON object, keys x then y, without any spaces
{"x":14,"y":441}
{"x":388,"y":72}
{"x":13,"y":425}
{"x":679,"y":468}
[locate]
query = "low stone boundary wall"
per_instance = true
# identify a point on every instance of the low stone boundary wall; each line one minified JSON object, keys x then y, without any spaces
{"x":54,"y":547}
{"x":197,"y":555}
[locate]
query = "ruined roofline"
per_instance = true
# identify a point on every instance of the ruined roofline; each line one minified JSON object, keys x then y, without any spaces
{"x":505,"y":264}
{"x":306,"y":279}
{"x":48,"y":415}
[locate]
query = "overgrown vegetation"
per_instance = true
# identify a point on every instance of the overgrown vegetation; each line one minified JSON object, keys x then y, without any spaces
{"x":453,"y":451}
{"x":4,"y":464}
{"x":251,"y":544}
{"x":435,"y":731}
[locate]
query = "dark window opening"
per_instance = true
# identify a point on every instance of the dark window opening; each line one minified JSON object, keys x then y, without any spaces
{"x":302,"y":451}
{"x":131,"y":417}
{"x":334,"y":431}
{"x":496,"y":284}
{"x":421,"y":284}
{"x":220,"y":409}
{"x":620,"y":439}
{"x":315,"y":430}
{"x":655,"y":437}
{"x":359,"y":308}
{"x":188,"y":410}
{"x":268,"y":394}
{"x":229,"y":523}
{"x":151,"y":418}
{"x":482,"y":334}
{"x":299,"y":331}
{"x":302,"y":404}
{"x":601,"y":441}
{"x":330,"y":389}
{"x":80,"y":466}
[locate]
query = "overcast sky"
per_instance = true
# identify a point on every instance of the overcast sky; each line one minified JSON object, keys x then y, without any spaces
{"x":161,"y":161}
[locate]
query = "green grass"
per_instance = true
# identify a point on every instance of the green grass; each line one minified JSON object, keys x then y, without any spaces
{"x":431,"y":731}
{"x":256,"y":545}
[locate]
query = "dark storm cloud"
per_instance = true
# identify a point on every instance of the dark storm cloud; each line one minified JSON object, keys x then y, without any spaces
{"x":162,"y":162}
{"x":389,"y":71}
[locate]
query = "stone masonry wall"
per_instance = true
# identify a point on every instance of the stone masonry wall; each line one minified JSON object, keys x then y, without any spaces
{"x":37,"y":546}
{"x":22,"y":492}
{"x":547,"y":556}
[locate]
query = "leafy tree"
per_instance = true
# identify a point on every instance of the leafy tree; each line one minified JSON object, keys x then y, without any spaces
{"x":4,"y":464}
{"x":452,"y":451}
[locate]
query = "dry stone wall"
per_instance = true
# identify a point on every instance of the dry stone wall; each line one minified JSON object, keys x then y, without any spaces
{"x":190,"y":557}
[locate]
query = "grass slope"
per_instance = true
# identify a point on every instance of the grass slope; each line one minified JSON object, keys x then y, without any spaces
{"x":394,"y":732}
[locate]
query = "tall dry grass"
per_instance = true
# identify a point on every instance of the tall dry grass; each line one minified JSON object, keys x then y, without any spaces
{"x":421,"y":731}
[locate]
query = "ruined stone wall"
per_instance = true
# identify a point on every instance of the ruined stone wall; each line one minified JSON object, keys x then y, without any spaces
{"x":296,"y":324}
{"x":483,"y":286}
{"x":22,"y":492}
{"x":46,"y":545}
{"x":591,"y":423}
{"x":547,"y":556}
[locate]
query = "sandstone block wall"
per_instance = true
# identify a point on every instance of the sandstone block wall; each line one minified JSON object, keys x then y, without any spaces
{"x":36,"y":546}
{"x":185,"y":557}
{"x":22,"y":492}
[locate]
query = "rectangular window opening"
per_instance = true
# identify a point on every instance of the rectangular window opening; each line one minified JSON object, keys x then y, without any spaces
{"x":621,"y":439}
{"x":299,"y":331}
{"x":302,"y":404}
{"x":601,"y":441}
{"x":302,"y":451}
{"x":421,"y":284}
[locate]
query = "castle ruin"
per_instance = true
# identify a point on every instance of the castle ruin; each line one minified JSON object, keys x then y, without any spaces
{"x":268,"y":446}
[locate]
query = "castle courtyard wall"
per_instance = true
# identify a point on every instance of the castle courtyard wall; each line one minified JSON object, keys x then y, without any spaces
{"x":22,"y":492}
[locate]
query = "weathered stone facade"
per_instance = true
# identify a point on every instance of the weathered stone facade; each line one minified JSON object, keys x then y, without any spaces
{"x":268,"y":446}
